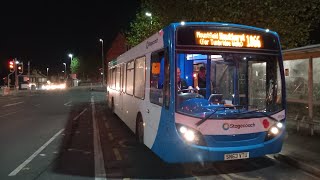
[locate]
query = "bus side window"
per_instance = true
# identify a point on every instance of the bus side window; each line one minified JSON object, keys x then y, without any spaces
{"x":157,"y":77}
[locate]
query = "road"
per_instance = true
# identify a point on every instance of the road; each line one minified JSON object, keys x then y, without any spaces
{"x":71,"y":134}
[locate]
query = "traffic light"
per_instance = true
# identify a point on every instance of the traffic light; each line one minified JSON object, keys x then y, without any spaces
{"x":20,"y":68}
{"x":11,"y":66}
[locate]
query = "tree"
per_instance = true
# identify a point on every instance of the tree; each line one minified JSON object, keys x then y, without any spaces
{"x":292,"y":19}
{"x":75,"y":65}
{"x":142,"y":27}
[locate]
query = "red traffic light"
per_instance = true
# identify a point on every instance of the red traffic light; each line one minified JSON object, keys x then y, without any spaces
{"x":11,"y":66}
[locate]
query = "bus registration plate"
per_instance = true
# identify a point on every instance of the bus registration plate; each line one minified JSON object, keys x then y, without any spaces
{"x":234,"y":156}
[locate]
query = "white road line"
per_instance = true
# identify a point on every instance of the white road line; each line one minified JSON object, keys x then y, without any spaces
{"x":14,"y":98}
{"x":110,"y":136}
{"x":224,"y":176}
{"x":107,"y":125}
{"x":12,"y":104}
{"x":100,"y":173}
{"x":80,"y":114}
{"x":9,"y":114}
{"x":237,"y":176}
{"x":18,"y":169}
{"x":67,"y":104}
{"x":117,"y":154}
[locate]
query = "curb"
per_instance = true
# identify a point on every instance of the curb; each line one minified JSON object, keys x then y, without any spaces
{"x":298,"y":164}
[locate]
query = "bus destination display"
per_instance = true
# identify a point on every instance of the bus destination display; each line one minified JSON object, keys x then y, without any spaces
{"x":228,"y":39}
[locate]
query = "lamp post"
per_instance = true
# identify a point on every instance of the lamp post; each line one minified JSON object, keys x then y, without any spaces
{"x":70,"y":55}
{"x":47,"y":72}
{"x":149,"y":15}
{"x":65,"y":70}
{"x":102,"y":62}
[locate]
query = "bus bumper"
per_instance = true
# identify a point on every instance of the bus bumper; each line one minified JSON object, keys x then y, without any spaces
{"x":180,"y":152}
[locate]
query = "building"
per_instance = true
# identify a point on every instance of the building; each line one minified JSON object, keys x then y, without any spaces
{"x":118,"y":47}
{"x":36,"y":80}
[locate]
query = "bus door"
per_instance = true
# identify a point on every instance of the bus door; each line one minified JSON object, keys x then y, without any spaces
{"x":122,"y":87}
{"x":159,"y":92}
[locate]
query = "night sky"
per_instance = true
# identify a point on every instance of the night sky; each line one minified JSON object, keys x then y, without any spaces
{"x":44,"y":32}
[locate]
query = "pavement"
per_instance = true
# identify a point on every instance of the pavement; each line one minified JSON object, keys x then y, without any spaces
{"x":300,"y":149}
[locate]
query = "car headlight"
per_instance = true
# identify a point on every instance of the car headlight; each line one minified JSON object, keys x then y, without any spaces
{"x":274,"y":130}
{"x":190,"y":135}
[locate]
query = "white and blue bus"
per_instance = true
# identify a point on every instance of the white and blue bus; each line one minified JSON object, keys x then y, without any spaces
{"x":237,"y":111}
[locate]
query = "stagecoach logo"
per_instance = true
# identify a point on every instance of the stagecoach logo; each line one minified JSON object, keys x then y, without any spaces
{"x":148,"y":44}
{"x":226,"y":126}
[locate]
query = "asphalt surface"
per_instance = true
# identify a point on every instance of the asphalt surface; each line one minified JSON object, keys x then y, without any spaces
{"x":71,"y":134}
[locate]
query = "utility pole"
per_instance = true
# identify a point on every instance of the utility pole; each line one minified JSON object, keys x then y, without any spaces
{"x":102,"y":62}
{"x":29,"y":71}
{"x":16,"y":74}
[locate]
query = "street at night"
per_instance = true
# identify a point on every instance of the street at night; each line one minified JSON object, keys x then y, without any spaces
{"x":71,"y":134}
{"x":158,"y":89}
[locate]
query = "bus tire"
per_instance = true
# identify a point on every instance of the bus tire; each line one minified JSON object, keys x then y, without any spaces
{"x":139,"y":129}
{"x":112,"y":106}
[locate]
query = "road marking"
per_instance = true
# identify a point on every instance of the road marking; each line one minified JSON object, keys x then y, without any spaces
{"x":224,"y":176}
{"x":80,"y":114}
{"x":14,"y":98}
{"x":12,"y":104}
{"x":68,"y":103}
{"x":117,"y":154}
{"x":110,"y":136}
{"x":237,"y":176}
{"x":100,"y":173}
{"x":19,"y":168}
{"x":9,"y":114}
{"x":122,"y":145}
{"x":107,"y":125}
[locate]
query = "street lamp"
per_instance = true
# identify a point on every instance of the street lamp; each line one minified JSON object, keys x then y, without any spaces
{"x":70,"y":55}
{"x":149,"y":15}
{"x":65,"y":70}
{"x":102,"y":62}
{"x":47,"y":71}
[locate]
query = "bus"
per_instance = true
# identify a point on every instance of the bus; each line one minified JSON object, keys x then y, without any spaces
{"x":238,"y":112}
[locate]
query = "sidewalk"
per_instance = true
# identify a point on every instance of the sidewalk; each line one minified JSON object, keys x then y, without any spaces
{"x":301,"y":150}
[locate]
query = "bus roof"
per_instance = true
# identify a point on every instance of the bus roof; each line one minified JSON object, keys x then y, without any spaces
{"x":175,"y":25}
{"x":178,"y":24}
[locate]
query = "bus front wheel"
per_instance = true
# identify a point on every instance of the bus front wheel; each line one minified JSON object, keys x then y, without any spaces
{"x":139,"y":129}
{"x":112,"y":106}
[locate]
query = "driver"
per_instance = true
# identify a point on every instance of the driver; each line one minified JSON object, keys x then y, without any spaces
{"x":181,"y":83}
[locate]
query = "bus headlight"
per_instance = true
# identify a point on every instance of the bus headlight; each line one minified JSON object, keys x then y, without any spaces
{"x":274,"y":130}
{"x":190,"y":135}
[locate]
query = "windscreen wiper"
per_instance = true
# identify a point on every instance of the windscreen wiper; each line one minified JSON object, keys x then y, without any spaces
{"x":207,"y":117}
{"x":219,"y":108}
{"x":260,"y":111}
